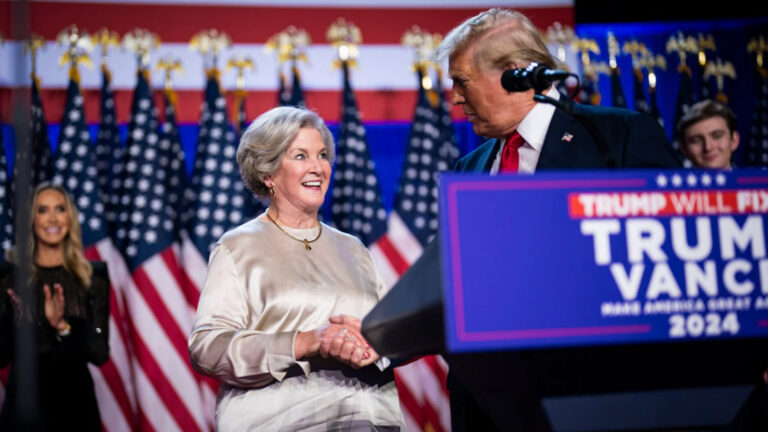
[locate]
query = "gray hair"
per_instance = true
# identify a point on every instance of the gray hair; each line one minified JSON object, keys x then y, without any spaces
{"x":505,"y":37}
{"x":268,"y":138}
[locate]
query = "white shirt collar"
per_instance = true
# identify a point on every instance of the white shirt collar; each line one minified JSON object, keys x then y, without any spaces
{"x":533,"y":129}
{"x":535,"y":125}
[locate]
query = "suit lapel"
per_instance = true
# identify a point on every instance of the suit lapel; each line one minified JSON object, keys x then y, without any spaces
{"x":564,"y":135}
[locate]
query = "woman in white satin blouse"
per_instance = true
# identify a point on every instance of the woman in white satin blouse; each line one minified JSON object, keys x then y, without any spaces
{"x":278,"y":320}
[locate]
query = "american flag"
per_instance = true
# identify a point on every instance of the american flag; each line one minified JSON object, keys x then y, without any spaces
{"x":283,"y":92}
{"x":617,"y":92}
{"x":297,"y":93}
{"x":172,"y":156}
{"x":655,"y":112}
{"x":589,"y":93}
{"x":42,"y":164}
{"x":171,"y":396}
{"x":411,"y":225}
{"x":42,"y":168}
{"x":641,"y":105}
{"x":756,"y":154}
{"x":685,"y":95}
{"x":240,"y":116}
{"x":357,"y":207}
{"x":6,"y":217}
{"x":75,"y":169}
{"x":110,"y":153}
{"x":217,"y":197}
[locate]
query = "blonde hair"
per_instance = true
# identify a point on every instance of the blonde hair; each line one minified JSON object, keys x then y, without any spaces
{"x":73,"y":259}
{"x":504,"y":37}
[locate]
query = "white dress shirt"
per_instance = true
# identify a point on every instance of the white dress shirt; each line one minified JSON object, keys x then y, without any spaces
{"x":533,"y":129}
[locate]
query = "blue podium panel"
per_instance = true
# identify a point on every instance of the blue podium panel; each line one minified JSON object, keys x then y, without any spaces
{"x":591,"y":258}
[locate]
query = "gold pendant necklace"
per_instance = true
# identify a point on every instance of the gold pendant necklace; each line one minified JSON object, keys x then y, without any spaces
{"x":305,"y":241}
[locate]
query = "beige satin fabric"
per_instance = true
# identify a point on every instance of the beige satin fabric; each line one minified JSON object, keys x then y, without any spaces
{"x":262,"y":289}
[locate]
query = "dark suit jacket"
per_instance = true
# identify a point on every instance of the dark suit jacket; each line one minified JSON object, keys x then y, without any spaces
{"x":636,"y":141}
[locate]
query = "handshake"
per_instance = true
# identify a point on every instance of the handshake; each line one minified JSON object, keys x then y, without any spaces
{"x":340,"y":339}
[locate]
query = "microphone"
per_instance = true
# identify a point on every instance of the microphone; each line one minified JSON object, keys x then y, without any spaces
{"x":535,"y":76}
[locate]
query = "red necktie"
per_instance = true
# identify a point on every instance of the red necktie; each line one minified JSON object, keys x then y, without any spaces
{"x":510,"y":157}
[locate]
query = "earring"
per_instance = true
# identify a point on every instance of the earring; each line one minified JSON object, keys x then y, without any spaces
{"x":272,"y":191}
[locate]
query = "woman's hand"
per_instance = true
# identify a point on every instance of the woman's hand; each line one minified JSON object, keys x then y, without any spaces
{"x":54,"y":307}
{"x":356,"y":355}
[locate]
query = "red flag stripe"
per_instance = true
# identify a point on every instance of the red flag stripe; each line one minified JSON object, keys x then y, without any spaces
{"x":112,"y":376}
{"x":145,"y":424}
{"x":432,"y":418}
{"x":378,"y":25}
{"x":407,"y":399}
{"x":171,"y":261}
{"x":393,"y":255}
{"x":162,"y":314}
{"x":165,"y":390}
{"x":117,"y":380}
{"x":440,"y":374}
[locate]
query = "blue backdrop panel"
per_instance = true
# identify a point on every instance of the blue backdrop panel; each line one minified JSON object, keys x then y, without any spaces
{"x":731,"y":38}
{"x":522,"y":268}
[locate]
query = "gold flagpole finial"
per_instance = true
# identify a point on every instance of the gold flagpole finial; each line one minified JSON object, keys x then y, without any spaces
{"x":105,"y":38}
{"x":561,"y":36}
{"x":169,"y":65}
{"x":78,"y":46}
{"x":613,"y":50}
{"x":705,"y":42}
{"x":141,"y":42}
{"x":720,"y":70}
{"x":210,"y":43}
{"x":585,"y":46}
{"x":32,"y":46}
{"x":240,"y":64}
{"x":759,"y":47}
{"x":650,"y":62}
{"x":590,"y":68}
{"x":290,"y":44}
{"x":635,"y":50}
{"x":682,"y":46}
{"x":424,"y":45}
{"x":345,"y":37}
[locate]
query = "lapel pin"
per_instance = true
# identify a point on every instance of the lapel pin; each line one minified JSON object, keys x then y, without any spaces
{"x":567,"y":137}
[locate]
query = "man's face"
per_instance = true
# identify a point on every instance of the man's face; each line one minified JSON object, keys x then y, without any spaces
{"x":493,"y":111}
{"x":709,"y":143}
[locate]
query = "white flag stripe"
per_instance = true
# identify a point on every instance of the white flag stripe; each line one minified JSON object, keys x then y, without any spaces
{"x":382,"y":67}
{"x":175,"y":369}
{"x":387,"y":272}
{"x":402,"y":238}
{"x":410,"y":424}
{"x":119,"y":356}
{"x":116,"y":267}
{"x":153,"y":408}
{"x":108,"y":406}
{"x":167,"y":287}
{"x":409,"y":375}
{"x":194,"y":265}
{"x":433,"y":392}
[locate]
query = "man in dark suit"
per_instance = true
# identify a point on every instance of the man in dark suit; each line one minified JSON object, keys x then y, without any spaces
{"x":526,"y":136}
{"x":479,"y":51}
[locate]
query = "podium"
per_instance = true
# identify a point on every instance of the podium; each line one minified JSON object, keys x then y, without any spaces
{"x":612,"y":372}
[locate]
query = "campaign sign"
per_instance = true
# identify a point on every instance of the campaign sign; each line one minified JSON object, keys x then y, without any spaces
{"x":592,"y":258}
